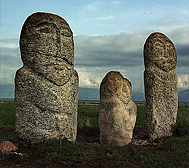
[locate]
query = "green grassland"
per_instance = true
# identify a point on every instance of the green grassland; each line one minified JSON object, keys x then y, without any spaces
{"x":87,"y":151}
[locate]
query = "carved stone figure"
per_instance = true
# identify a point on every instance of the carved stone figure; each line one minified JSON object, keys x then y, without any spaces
{"x":117,"y":112}
{"x":46,"y":87}
{"x":160,"y":82}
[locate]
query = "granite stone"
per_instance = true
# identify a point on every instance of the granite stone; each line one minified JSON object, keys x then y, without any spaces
{"x":46,"y":87}
{"x":160,"y":81}
{"x":117,"y":112}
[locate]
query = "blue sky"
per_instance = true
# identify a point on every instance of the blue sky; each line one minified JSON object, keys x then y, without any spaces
{"x":89,"y":17}
{"x":108,"y":35}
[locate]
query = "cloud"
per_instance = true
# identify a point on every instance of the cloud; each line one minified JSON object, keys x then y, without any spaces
{"x":9,"y":44}
{"x":96,"y":55}
{"x":92,"y":77}
{"x":10,"y":60}
{"x":124,"y":53}
{"x":93,"y":12}
{"x":86,"y":78}
{"x":179,"y":37}
{"x":183,"y":81}
{"x":87,"y":82}
{"x":116,"y":2}
{"x":91,"y":7}
{"x":105,"y":18}
{"x":116,"y":50}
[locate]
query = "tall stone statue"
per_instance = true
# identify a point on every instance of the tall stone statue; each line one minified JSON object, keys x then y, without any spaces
{"x":160,"y":82}
{"x":46,"y":87}
{"x":117,"y":112}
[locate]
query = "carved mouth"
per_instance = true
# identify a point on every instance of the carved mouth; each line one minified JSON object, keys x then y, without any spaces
{"x":60,"y":67}
{"x":58,"y":60}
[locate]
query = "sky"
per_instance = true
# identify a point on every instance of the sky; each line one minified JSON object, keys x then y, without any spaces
{"x":108,"y":35}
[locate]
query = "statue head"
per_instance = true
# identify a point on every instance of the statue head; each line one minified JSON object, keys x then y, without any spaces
{"x":115,"y":85}
{"x":46,"y":45}
{"x":160,"y":51}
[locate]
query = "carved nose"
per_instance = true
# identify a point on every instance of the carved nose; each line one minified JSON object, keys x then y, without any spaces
{"x":58,"y":40}
{"x":166,"y":52}
{"x":58,"y":37}
{"x":58,"y":44}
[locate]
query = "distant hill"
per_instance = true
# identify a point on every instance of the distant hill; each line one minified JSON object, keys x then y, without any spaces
{"x":93,"y":94}
{"x":138,"y":96}
{"x":89,"y":94}
{"x":183,"y":96}
{"x":7,"y":91}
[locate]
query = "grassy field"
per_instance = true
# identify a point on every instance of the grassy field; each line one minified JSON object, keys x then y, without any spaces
{"x":87,"y":152}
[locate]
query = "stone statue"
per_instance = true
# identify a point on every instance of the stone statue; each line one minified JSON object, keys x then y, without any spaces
{"x":46,"y":87}
{"x":160,"y":82}
{"x":117,"y":112}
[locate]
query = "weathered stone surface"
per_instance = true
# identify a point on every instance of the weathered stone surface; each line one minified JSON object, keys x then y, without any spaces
{"x":46,"y":87}
{"x":160,"y":82}
{"x":117,"y":112}
{"x":7,"y":146}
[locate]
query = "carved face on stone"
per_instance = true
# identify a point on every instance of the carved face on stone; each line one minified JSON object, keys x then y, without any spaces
{"x":159,"y":50}
{"x":47,"y":47}
{"x":114,"y":84}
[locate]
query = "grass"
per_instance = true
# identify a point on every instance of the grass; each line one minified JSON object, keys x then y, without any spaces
{"x":141,"y":117}
{"x":181,"y":127}
{"x":7,"y":118}
{"x":172,"y":152}
{"x":87,"y":116}
{"x":84,"y":155}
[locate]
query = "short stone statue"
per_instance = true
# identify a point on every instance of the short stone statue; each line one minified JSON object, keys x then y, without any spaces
{"x":117,"y":112}
{"x":46,"y":87}
{"x":160,"y":82}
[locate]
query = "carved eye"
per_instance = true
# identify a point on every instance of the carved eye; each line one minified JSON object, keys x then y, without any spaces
{"x":168,"y":45}
{"x":158,"y":44}
{"x":66,"y":33}
{"x":44,"y":27}
{"x":45,"y":30}
{"x":124,"y":89}
{"x":149,"y":44}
